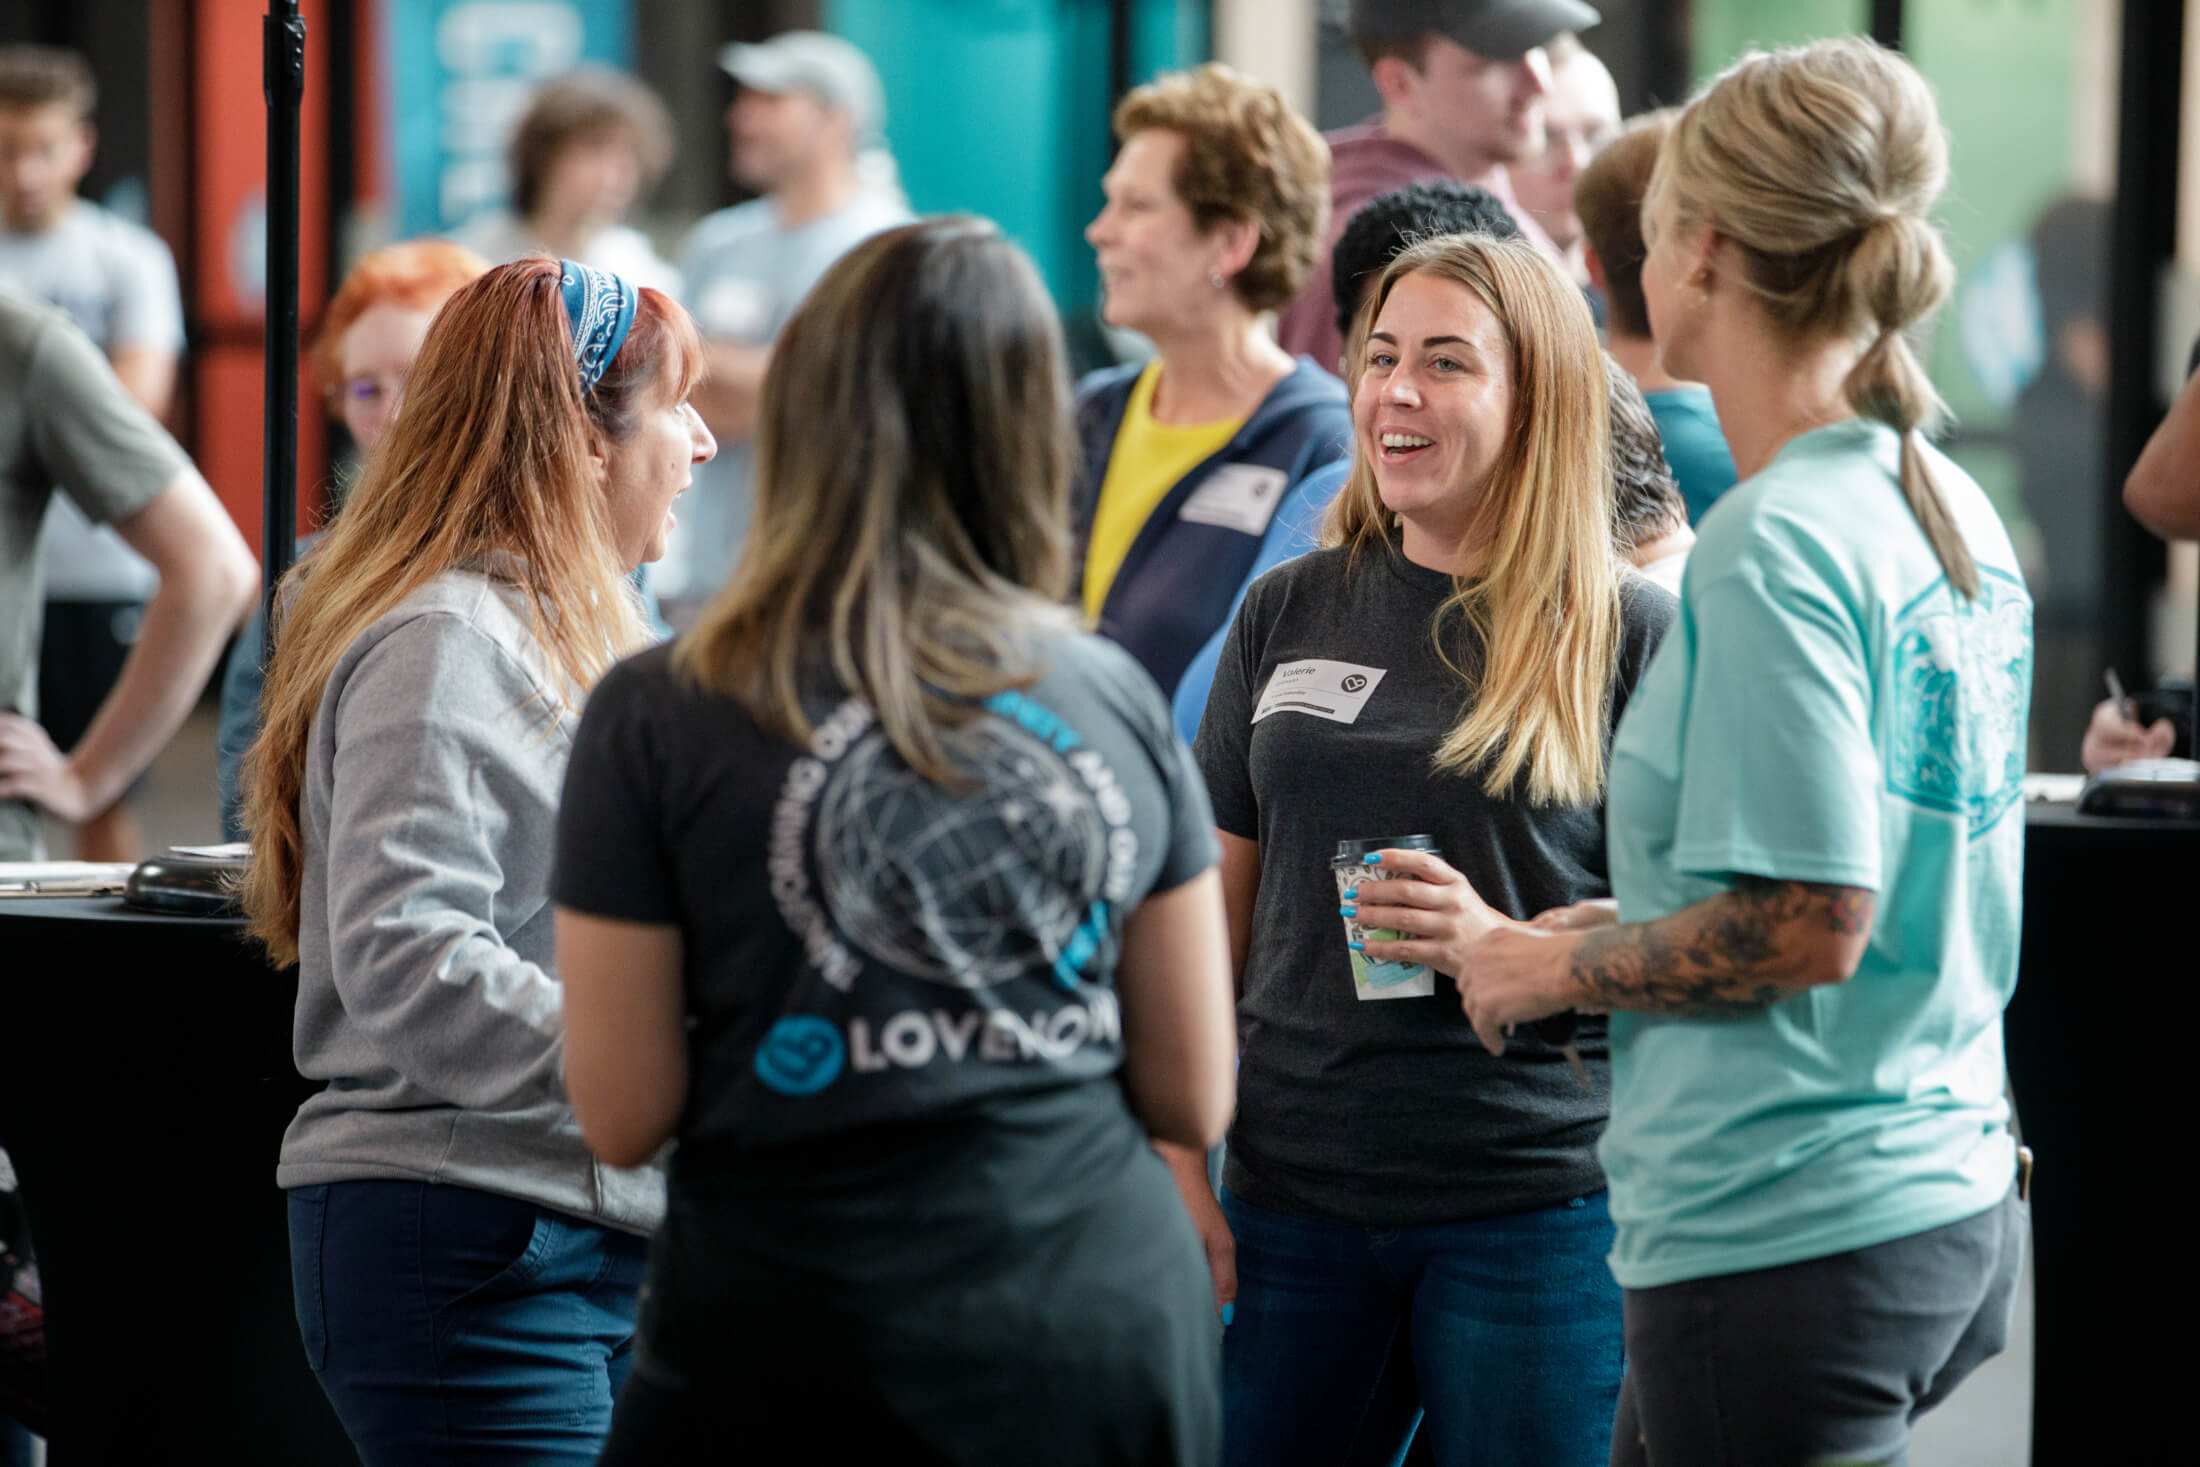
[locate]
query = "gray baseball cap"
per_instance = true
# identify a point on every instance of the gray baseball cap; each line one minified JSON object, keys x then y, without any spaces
{"x":827,"y":67}
{"x":1503,"y":30}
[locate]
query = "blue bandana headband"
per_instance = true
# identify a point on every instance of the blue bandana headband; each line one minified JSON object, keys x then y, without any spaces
{"x":600,"y":307}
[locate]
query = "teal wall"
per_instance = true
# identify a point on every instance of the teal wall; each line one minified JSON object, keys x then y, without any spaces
{"x":1000,"y":107}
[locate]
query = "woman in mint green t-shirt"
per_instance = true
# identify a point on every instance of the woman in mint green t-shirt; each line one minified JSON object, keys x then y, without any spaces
{"x":1815,"y":824}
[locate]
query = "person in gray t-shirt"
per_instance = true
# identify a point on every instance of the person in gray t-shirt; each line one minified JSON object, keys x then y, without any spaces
{"x":802,"y":129}
{"x":117,"y":281}
{"x":1391,"y":1187}
{"x":67,"y":425}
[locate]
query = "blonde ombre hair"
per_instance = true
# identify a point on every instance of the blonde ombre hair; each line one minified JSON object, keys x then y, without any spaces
{"x":490,"y":456}
{"x":911,"y":523}
{"x":1821,"y":163}
{"x":1542,"y":598}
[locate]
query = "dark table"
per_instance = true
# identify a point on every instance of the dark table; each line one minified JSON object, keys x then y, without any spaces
{"x":2103,"y":1097}
{"x":145,"y":1081}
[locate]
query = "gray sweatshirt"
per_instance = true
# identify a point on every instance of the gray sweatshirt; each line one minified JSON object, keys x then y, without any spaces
{"x":427,"y":993}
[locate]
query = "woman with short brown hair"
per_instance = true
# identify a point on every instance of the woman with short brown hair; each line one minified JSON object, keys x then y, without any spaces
{"x":1214,"y":215}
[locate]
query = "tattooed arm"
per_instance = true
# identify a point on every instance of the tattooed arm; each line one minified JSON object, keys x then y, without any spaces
{"x":1744,"y":949}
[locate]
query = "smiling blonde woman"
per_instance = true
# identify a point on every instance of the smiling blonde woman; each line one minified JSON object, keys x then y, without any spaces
{"x":1468,"y":638}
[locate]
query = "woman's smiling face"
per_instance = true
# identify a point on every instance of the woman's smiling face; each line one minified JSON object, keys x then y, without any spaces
{"x":1434,"y":406}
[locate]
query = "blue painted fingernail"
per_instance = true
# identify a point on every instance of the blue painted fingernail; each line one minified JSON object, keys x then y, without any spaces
{"x":1229,"y":1312}
{"x":1358,"y":947}
{"x":1373,"y":858}
{"x":1348,"y":910}
{"x":1350,"y":892}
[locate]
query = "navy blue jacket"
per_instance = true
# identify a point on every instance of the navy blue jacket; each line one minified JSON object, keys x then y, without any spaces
{"x":1183,"y":571}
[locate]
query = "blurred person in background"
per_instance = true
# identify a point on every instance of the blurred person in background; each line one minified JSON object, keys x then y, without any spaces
{"x":465,"y":1272}
{"x":368,"y":338}
{"x":117,"y":281}
{"x":2060,"y":428}
{"x":67,"y":426}
{"x":1462,"y":83}
{"x":1213,"y":215}
{"x":913,"y":1045}
{"x":809,"y":109}
{"x":1580,"y":115}
{"x":1390,"y":223}
{"x":2163,"y":488}
{"x":2162,"y":491}
{"x":590,"y":144}
{"x":1649,"y":519}
{"x":1816,"y":828}
{"x":1608,"y":197}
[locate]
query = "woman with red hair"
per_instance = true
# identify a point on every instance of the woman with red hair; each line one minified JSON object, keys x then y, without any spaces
{"x":465,"y":1271}
{"x":369,"y":336}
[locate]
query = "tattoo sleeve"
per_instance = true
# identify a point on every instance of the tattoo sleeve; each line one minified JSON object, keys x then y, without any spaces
{"x":1742,"y":950}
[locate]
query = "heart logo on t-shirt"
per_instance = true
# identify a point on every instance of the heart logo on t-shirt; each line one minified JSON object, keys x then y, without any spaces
{"x":801,"y":1055}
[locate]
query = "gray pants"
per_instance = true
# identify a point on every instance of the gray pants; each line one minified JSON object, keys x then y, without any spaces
{"x":1817,"y":1363}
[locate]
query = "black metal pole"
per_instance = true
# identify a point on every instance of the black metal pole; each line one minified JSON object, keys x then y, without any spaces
{"x":283,"y":77}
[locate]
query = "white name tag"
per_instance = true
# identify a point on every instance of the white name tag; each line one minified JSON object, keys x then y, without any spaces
{"x":1333,"y":690}
{"x":1237,"y":497}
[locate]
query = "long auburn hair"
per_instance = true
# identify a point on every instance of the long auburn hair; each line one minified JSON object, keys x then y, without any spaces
{"x":490,"y":455}
{"x":910,"y":528}
{"x":1543,"y":600}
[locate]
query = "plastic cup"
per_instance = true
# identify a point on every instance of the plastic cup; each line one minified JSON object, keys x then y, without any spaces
{"x":1372,"y":978}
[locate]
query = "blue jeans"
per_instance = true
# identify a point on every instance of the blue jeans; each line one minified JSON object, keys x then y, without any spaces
{"x":1512,"y":1325}
{"x":448,"y":1325}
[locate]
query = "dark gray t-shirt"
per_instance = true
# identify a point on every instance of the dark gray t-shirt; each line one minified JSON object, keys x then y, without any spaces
{"x":864,"y":947}
{"x":1388,"y":1113}
{"x":904,"y":1147}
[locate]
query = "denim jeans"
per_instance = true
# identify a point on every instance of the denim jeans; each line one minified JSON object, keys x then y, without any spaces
{"x":1512,"y":1325}
{"x":448,"y":1325}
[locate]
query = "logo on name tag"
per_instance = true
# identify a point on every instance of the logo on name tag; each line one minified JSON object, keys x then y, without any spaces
{"x":1336,"y":691}
{"x":1241,"y":497}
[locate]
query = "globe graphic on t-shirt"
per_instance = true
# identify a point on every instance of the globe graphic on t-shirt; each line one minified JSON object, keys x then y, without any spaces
{"x":965,"y":887}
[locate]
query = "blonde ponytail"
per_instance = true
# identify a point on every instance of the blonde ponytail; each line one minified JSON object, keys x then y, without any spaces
{"x":1821,"y":163}
{"x":1900,"y":271}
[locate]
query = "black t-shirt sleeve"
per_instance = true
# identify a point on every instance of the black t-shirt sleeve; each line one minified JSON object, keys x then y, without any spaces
{"x":612,"y":858}
{"x":1190,"y":847}
{"x":1647,"y":612}
{"x":1224,"y":745}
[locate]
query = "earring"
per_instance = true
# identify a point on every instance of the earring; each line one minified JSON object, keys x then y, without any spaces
{"x":1700,"y":282}
{"x":1214,"y":278}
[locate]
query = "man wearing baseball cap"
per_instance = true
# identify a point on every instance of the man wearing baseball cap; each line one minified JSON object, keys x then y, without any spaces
{"x":809,"y":106}
{"x":1462,"y":83}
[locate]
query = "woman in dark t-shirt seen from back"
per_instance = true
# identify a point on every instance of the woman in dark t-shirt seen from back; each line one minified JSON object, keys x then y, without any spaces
{"x":891,"y":896}
{"x":1451,"y":665}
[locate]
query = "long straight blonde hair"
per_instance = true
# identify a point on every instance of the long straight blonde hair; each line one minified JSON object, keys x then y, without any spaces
{"x":1822,"y":164}
{"x":910,"y":528}
{"x":1541,"y":603}
{"x":491,"y":455}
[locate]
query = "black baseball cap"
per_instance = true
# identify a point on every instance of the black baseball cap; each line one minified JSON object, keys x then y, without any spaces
{"x":1503,"y":30}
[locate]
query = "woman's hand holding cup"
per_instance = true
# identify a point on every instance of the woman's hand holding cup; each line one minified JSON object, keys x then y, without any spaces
{"x":1438,"y":913}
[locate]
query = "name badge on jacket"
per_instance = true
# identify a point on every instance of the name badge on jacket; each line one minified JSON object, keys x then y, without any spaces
{"x":1237,"y":497}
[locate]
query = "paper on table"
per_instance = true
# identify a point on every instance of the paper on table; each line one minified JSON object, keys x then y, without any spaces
{"x":63,"y":878}
{"x":2057,"y":789}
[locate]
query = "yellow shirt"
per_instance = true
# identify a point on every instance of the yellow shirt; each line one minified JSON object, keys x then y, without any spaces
{"x":1144,"y":465}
